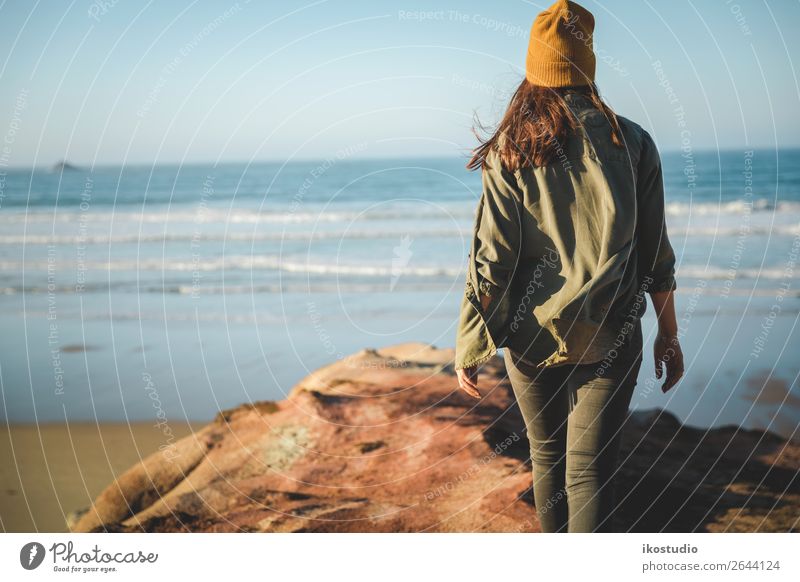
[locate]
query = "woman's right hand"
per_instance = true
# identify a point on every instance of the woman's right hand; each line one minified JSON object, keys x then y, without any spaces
{"x":468,"y":381}
{"x":668,"y":354}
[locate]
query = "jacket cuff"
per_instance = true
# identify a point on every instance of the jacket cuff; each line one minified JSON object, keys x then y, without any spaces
{"x":475,"y":358}
{"x":666,"y":284}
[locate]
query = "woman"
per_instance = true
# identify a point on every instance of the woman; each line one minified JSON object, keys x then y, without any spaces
{"x":569,"y":238}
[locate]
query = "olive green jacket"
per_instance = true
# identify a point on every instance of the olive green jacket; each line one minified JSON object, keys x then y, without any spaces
{"x":567,"y":251}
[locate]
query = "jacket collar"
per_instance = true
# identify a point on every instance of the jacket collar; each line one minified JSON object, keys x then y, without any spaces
{"x":577,"y":98}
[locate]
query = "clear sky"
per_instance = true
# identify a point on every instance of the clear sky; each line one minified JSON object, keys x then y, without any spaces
{"x":181,"y":81}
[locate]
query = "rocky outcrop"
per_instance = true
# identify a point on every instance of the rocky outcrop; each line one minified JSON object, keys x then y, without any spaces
{"x":383,"y":441}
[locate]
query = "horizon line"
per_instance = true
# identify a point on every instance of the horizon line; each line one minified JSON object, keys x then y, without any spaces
{"x":78,"y":166}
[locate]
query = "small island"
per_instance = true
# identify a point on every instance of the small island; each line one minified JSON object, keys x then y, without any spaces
{"x":64,"y":166}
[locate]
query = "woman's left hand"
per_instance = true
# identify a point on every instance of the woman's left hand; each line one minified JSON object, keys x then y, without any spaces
{"x":468,"y":381}
{"x":667,"y":354}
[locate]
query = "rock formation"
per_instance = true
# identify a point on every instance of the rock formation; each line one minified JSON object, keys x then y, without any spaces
{"x":384,"y":441}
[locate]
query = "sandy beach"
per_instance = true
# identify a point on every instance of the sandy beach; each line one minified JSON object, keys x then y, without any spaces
{"x":50,"y":470}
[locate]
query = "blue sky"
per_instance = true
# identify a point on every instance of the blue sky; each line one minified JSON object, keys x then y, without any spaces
{"x":140,"y":82}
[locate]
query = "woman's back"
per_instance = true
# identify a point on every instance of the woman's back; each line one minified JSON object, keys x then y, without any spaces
{"x":558,"y":245}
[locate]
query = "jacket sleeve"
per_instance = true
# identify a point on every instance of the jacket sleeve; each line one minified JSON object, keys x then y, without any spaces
{"x":498,"y":230}
{"x":493,"y":258}
{"x":474,"y":345}
{"x":656,"y":262}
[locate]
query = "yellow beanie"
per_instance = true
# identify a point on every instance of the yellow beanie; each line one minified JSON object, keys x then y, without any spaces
{"x":560,"y":51}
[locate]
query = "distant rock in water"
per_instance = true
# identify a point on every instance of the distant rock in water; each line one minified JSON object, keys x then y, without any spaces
{"x":384,"y":441}
{"x":64,"y":166}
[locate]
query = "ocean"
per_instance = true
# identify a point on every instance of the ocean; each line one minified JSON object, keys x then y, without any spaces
{"x":143,"y":293}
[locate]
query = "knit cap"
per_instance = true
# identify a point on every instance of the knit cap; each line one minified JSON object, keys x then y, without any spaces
{"x":560,"y":51}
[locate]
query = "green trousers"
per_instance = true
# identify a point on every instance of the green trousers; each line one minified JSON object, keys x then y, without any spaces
{"x":574,"y":416}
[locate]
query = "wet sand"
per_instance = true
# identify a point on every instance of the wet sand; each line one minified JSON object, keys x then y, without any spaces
{"x":50,"y":470}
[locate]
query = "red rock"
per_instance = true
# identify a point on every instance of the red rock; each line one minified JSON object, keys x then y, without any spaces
{"x":384,"y":441}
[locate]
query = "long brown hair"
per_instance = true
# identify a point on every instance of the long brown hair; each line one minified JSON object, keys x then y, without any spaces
{"x":535,"y":125}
